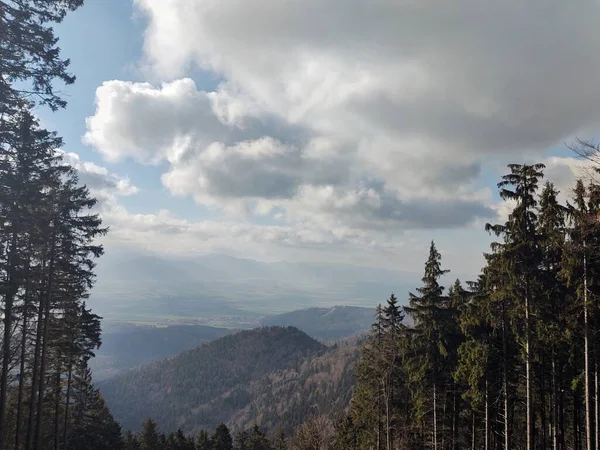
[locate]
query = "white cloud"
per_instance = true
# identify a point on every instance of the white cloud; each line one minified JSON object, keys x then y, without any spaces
{"x":102,"y":184}
{"x":473,"y":76}
{"x":351,"y":123}
{"x":251,"y":162}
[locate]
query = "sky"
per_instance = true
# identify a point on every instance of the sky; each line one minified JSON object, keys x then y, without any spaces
{"x":342,"y":131}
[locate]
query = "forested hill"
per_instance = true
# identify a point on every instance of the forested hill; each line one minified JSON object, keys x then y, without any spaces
{"x":136,"y":346}
{"x":272,"y":376}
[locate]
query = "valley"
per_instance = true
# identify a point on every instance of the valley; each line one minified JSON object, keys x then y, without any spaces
{"x":130,"y":344}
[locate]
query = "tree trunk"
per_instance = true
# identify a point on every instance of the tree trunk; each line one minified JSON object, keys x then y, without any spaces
{"x":22,"y":362}
{"x":595,"y":353}
{"x":434,"y":416}
{"x":444,"y":415}
{"x":36,"y":363}
{"x":586,"y":334}
{"x":67,"y":400}
{"x":453,"y":445}
{"x":528,"y":387}
{"x":554,"y":405}
{"x":596,"y":411}
{"x":487,"y":418}
{"x":44,"y":357}
{"x":57,"y":405}
{"x":7,"y":320}
{"x":505,"y":381}
{"x":379,"y":426}
{"x":387,"y":418}
{"x":473,"y":431}
{"x":543,"y":405}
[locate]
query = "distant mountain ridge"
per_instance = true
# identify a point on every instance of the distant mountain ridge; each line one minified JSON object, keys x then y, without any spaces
{"x":220,"y":290}
{"x":272,"y":376}
{"x":326,"y":323}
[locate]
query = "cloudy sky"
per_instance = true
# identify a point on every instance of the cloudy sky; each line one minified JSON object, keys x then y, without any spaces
{"x":329,"y":130}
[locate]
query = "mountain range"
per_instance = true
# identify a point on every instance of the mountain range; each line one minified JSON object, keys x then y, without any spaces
{"x":220,"y":290}
{"x":126,"y":346}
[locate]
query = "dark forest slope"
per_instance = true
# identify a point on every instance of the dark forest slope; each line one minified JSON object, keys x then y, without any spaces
{"x":133,"y":347}
{"x":272,"y":376}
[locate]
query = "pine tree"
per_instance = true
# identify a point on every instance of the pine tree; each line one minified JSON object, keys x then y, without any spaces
{"x":553,"y":312}
{"x":242,"y":440}
{"x":520,"y":251}
{"x":29,"y":52}
{"x":280,"y":440}
{"x":94,"y":427}
{"x":367,"y":401}
{"x":346,"y":436}
{"x":203,"y":441}
{"x":581,"y":273}
{"x":258,"y":440}
{"x":429,"y":315}
{"x":149,"y":438}
{"x":222,"y":440}
{"x":130,"y":442}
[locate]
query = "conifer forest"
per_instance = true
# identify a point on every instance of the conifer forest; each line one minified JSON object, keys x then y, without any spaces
{"x":510,"y":360}
{"x":507,"y":361}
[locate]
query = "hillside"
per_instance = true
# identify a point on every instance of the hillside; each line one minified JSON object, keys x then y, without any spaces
{"x":126,"y":346}
{"x":272,"y":376}
{"x":135,"y":346}
{"x":326,"y":323}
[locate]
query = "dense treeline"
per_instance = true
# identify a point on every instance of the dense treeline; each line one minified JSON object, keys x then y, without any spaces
{"x":509,"y":361}
{"x":47,"y":252}
{"x":222,"y":439}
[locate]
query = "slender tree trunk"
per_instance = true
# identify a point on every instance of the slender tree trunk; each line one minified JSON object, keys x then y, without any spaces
{"x":473,"y":431}
{"x":22,"y":361}
{"x":36,"y":363}
{"x":57,"y":405}
{"x":67,"y":400}
{"x":554,"y":405}
{"x":7,"y":321}
{"x":561,"y":415}
{"x":596,"y":405}
{"x":586,"y":331}
{"x":595,"y":353}
{"x":434,"y":416}
{"x":543,"y":405}
{"x":487,"y":418}
{"x":387,"y":419}
{"x":453,"y":446}
{"x":443,"y":430}
{"x":42,"y":381}
{"x":505,"y":381}
{"x":528,"y":386}
{"x":379,"y":426}
{"x":44,"y":357}
{"x":577,"y":422}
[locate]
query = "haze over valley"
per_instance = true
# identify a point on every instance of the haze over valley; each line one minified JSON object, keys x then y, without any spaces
{"x":221,"y":290}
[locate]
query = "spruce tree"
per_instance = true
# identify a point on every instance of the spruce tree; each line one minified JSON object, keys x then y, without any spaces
{"x":203,"y":441}
{"x":429,"y":315}
{"x":29,"y":52}
{"x":521,"y":253}
{"x":222,"y":440}
{"x":149,"y":437}
{"x":280,"y":441}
